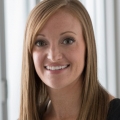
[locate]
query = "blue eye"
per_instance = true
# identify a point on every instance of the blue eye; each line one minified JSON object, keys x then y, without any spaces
{"x":40,"y":43}
{"x":68,"y":41}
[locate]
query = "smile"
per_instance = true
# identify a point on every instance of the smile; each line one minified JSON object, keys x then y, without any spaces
{"x":56,"y":67}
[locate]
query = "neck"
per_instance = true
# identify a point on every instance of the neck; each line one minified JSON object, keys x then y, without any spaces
{"x":65,"y":103}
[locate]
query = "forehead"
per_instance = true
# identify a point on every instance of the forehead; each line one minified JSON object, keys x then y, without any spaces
{"x":62,"y":19}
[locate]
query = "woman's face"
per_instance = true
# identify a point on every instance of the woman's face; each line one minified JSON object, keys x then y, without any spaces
{"x":59,"y":51}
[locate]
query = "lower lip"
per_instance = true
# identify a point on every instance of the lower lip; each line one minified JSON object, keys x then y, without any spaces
{"x":57,"y":71}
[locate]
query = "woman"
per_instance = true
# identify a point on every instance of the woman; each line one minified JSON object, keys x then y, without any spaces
{"x":59,"y":70}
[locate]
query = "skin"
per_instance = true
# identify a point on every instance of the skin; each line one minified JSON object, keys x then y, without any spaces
{"x":61,"y":43}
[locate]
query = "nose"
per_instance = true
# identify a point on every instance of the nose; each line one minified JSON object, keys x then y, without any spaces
{"x":54,"y":54}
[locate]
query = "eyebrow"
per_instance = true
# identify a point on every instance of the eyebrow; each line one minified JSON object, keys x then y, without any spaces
{"x":40,"y":35}
{"x":60,"y":34}
{"x":67,"y":32}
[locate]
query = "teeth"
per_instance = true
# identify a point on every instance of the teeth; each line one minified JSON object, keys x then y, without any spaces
{"x":55,"y":67}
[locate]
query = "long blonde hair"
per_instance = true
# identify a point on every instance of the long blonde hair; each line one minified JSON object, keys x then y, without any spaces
{"x":33,"y":91}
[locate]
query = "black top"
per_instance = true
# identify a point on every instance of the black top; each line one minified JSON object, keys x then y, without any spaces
{"x":114,"y":110}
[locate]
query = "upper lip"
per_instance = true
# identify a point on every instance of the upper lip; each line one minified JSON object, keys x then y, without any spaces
{"x":54,"y":65}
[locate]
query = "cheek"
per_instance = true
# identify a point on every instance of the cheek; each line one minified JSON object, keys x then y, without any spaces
{"x":78,"y":57}
{"x":76,"y":54}
{"x":37,"y":60}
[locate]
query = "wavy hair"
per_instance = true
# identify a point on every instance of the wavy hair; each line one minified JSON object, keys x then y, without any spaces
{"x":34,"y":95}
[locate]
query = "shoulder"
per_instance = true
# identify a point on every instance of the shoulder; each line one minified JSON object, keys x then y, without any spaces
{"x":114,"y":109}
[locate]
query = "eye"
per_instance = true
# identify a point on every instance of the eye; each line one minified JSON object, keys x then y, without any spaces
{"x":68,"y":41}
{"x":40,"y":43}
